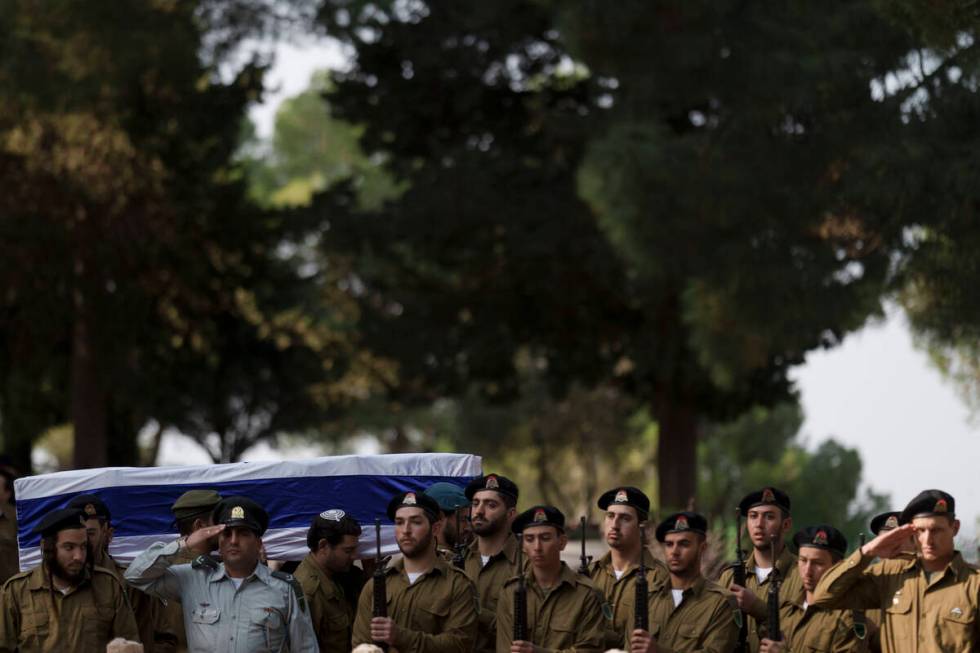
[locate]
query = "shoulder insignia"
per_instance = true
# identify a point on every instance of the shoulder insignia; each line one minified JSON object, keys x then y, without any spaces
{"x":607,"y":611}
{"x":17,"y":577}
{"x":205,"y":562}
{"x":860,"y":630}
{"x":737,"y":617}
{"x":297,"y":588}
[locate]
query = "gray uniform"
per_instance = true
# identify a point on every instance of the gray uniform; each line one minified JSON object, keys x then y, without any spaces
{"x":265,"y":614}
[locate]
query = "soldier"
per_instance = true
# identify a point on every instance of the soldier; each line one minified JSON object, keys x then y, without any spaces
{"x":455,"y":509}
{"x":806,"y":627}
{"x":64,"y":604}
{"x":432,"y":606}
{"x":192,"y":512}
{"x":626,"y":510}
{"x":156,"y":632}
{"x":564,"y":608}
{"x":689,"y":612}
{"x":9,"y":550}
{"x":492,"y":557}
{"x":767,"y":517}
{"x":332,"y":540}
{"x":237,"y":605}
{"x":931,"y":602}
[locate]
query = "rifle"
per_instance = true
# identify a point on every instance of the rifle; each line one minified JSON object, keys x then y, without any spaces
{"x":738,"y":576}
{"x":459,"y":560}
{"x":860,"y":619}
{"x":520,"y":597}
{"x":641,"y":615}
{"x":380,"y":608}
{"x":772,"y":598}
{"x":583,"y":568}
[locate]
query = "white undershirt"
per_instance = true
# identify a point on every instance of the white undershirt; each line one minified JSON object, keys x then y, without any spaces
{"x":678,"y":596}
{"x":237,"y":581}
{"x":762,"y":573}
{"x":485,"y":560}
{"x":63,"y":590}
{"x":413,"y":577}
{"x":619,"y":573}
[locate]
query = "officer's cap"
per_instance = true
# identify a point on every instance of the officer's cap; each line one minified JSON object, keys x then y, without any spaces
{"x":414,"y":500}
{"x":241,"y":511}
{"x":500,"y":484}
{"x":682,"y":522}
{"x":62,"y":519}
{"x":767,"y":496}
{"x":91,"y":506}
{"x":823,"y":537}
{"x":626,"y":496}
{"x":195,"y":502}
{"x":886,"y":521}
{"x":449,"y":496}
{"x":927,"y":504}
{"x":539,"y":516}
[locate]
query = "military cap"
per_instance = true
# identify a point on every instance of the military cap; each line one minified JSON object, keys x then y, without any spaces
{"x":195,"y":502}
{"x":241,"y":511}
{"x":91,"y":506}
{"x":822,"y":536}
{"x":626,"y":496}
{"x":886,"y":521}
{"x":682,"y":522}
{"x":539,"y":516}
{"x":414,"y":500}
{"x":927,"y":504}
{"x":495,"y":482}
{"x":767,"y":496}
{"x":449,"y":496}
{"x":62,"y":519}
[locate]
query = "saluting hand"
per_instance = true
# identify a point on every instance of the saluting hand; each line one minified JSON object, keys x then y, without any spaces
{"x":520,"y":646}
{"x":199,"y":541}
{"x":384,"y":629}
{"x":769,"y":646}
{"x":748,"y":602}
{"x":890,"y":543}
{"x":642,"y":642}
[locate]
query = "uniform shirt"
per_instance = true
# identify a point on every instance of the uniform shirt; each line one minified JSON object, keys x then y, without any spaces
{"x":266,"y":613}
{"x":435,"y":614}
{"x":940,"y":614}
{"x":40,"y":619}
{"x":706,"y":620}
{"x":567,"y":617}
{"x":9,"y":554}
{"x":156,"y":632}
{"x":174,"y":611}
{"x":490,"y":579}
{"x":818,"y":629}
{"x":790,"y":586}
{"x":617,"y":591}
{"x":330,"y":612}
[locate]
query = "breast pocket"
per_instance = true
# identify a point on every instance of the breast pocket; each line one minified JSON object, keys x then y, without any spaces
{"x":202,"y":627}
{"x":33,"y":630}
{"x":560,"y":633}
{"x":901,"y":603}
{"x":954,"y":629}
{"x":269,"y":625}
{"x":430,"y":618}
{"x":97,"y":622}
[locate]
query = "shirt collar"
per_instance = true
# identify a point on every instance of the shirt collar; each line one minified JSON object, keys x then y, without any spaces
{"x":261,"y":572}
{"x":39,"y":579}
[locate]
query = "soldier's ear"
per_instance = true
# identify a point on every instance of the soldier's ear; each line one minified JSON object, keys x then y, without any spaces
{"x":956,"y":526}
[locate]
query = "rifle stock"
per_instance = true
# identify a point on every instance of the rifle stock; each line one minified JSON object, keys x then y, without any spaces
{"x":380,"y":607}
{"x":860,"y":618}
{"x":738,"y":576}
{"x":520,"y":596}
{"x":641,"y":616}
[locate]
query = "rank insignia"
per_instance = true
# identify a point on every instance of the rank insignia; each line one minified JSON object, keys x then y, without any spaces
{"x":492,"y":483}
{"x":622,"y":497}
{"x":540,"y":516}
{"x":820,"y":538}
{"x":956,"y":612}
{"x":409,"y":499}
{"x":681,"y":523}
{"x":861,"y":630}
{"x":238,"y":512}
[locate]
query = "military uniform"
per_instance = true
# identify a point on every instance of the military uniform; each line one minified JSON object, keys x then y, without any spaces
{"x":489,"y":579}
{"x":812,"y":628}
{"x":330,"y":612}
{"x":9,"y":551}
{"x":620,"y":591}
{"x":435,"y":614}
{"x":563,"y":618}
{"x":791,"y":586}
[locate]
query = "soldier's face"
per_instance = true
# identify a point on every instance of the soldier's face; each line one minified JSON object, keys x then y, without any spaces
{"x":765,"y":523}
{"x":465,"y":533}
{"x":683,"y":553}
{"x":489,"y":513}
{"x":71,"y":552}
{"x":934,"y":536}
{"x":813,"y":563}
{"x":543,"y":545}
{"x":97,"y":532}
{"x":239,"y":547}
{"x":413,"y":532}
{"x":341,"y":557}
{"x":622,"y":527}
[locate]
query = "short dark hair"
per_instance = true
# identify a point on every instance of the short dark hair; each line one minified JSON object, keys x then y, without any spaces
{"x":331,"y":531}
{"x":185,"y":526}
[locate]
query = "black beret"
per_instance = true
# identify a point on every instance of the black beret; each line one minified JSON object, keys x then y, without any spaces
{"x":885,"y":521}
{"x":539,"y":516}
{"x":414,"y":500}
{"x":91,"y":506}
{"x":495,"y":482}
{"x":821,"y":537}
{"x":626,"y":496}
{"x":767,"y":496}
{"x":62,"y":519}
{"x":241,"y":511}
{"x":682,"y":522}
{"x":928,"y":503}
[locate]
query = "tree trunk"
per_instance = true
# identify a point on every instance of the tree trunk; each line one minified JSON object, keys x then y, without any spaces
{"x":88,"y":401}
{"x":677,"y":450}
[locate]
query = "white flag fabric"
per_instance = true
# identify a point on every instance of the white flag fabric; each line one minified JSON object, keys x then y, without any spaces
{"x":139,"y":498}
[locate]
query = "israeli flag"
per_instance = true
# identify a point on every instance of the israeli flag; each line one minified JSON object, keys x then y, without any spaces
{"x":139,"y":498}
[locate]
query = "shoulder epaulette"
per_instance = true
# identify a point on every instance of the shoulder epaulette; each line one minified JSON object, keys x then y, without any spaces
{"x":19,"y":576}
{"x":205,"y":562}
{"x":293,"y":583}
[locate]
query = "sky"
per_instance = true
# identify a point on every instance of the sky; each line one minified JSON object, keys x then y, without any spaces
{"x":876,"y":392}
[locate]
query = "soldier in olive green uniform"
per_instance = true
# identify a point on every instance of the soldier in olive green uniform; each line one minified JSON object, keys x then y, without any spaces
{"x":455,"y":509}
{"x":929,"y":603}
{"x":432,"y":606}
{"x":882,"y":523}
{"x":64,"y":604}
{"x":9,"y":550}
{"x":564,"y":609}
{"x":491,"y":560}
{"x":767,"y":517}
{"x":332,"y":540}
{"x":806,"y":627}
{"x":614,"y":574}
{"x":688,"y":613}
